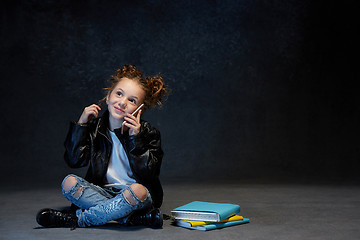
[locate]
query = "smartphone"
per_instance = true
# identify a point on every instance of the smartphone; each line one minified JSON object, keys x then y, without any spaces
{"x":136,"y":110}
{"x":133,"y":114}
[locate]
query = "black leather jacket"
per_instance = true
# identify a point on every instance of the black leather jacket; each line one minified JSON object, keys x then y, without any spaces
{"x":91,"y":144}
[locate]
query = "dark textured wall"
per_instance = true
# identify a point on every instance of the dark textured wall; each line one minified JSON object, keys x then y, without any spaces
{"x":261,"y":89}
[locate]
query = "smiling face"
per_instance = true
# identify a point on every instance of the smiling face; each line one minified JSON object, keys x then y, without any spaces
{"x":126,"y":96}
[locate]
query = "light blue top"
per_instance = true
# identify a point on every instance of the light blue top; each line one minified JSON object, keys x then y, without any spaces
{"x":119,"y":171}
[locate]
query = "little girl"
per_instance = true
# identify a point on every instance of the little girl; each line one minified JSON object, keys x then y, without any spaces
{"x":124,"y":156}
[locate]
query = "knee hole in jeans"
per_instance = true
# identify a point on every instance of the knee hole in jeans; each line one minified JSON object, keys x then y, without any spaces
{"x":69,"y":183}
{"x":78,"y":192}
{"x":138,"y":190}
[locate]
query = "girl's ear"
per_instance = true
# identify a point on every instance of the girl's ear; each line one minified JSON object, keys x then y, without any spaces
{"x":107,"y":99}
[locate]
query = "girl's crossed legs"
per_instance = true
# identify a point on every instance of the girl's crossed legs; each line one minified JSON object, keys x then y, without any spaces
{"x":98,"y":205}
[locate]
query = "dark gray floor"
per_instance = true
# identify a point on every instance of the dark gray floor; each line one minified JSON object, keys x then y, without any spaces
{"x":276,"y":211}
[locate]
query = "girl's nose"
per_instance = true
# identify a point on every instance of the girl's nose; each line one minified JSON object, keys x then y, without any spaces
{"x":122,"y":103}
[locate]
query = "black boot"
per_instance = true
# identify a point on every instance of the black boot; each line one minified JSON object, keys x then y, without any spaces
{"x":53,"y":218}
{"x":152,"y":219}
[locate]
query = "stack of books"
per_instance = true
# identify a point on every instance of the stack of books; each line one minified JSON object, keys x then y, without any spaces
{"x":207,"y":215}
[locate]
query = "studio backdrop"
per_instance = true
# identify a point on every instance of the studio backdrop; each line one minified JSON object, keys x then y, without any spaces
{"x":261,"y":90}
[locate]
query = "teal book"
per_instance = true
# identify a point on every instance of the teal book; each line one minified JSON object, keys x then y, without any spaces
{"x":205,"y":211}
{"x":212,"y":226}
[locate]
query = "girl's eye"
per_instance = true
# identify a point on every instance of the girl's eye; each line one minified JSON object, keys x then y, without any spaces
{"x":132,"y":100}
{"x":119,"y":93}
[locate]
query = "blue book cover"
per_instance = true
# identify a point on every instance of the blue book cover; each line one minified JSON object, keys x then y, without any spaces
{"x":205,"y":211}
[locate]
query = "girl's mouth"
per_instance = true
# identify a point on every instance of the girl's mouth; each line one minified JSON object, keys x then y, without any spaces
{"x":119,"y":110}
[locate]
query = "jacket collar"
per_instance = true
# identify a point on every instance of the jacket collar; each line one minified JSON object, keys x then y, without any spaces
{"x":103,"y":125}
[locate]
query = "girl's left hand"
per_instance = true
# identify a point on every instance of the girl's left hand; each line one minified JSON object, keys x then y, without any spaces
{"x":133,"y":123}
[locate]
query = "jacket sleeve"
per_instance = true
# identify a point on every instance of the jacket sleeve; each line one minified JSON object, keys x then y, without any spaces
{"x":77,"y":146}
{"x":145,"y":152}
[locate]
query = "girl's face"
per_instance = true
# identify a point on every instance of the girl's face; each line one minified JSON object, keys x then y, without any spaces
{"x":124,"y":98}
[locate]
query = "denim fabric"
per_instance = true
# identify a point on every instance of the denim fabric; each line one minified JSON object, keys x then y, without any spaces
{"x":100,"y":205}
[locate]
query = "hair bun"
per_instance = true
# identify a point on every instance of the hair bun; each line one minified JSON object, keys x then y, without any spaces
{"x":128,"y":71}
{"x":156,"y":90}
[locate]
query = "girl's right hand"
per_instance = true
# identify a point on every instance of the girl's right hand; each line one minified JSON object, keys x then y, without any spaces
{"x":88,"y":113}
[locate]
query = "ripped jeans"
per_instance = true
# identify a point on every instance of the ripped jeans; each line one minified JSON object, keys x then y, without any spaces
{"x":101,"y":205}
